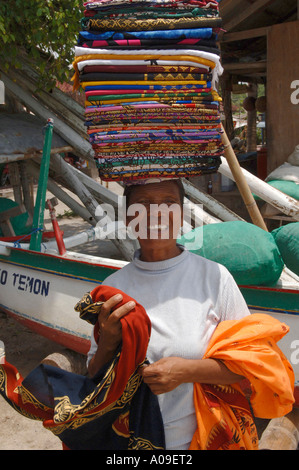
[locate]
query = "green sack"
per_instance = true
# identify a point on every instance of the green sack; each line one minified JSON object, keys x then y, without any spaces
{"x":247,"y":251}
{"x":288,"y":187}
{"x":287,"y":240}
{"x":19,"y":221}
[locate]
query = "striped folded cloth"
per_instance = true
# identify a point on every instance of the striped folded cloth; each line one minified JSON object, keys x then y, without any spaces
{"x":149,"y":70}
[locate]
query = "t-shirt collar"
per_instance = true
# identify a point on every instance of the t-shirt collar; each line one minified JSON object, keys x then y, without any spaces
{"x":160,"y":265}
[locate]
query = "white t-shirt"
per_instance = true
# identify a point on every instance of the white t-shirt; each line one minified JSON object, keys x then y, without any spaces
{"x":185,"y":298}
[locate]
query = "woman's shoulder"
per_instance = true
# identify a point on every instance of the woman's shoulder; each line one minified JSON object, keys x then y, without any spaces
{"x":118,"y":274}
{"x":208,"y":265}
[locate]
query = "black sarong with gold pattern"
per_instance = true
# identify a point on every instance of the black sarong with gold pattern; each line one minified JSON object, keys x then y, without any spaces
{"x":115,"y":410}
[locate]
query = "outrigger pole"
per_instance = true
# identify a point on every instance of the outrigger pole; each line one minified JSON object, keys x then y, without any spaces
{"x":38,"y":216}
{"x":242,"y":184}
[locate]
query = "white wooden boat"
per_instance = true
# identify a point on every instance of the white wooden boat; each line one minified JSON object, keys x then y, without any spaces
{"x":40,"y":290}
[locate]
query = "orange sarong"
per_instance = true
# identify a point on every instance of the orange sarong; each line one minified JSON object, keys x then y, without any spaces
{"x":248,"y":348}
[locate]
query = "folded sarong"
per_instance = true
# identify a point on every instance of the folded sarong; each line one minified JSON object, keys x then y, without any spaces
{"x":132,"y":77}
{"x":249,"y":348}
{"x":167,"y":85}
{"x":147,"y":54}
{"x":201,"y":44}
{"x":143,"y":69}
{"x":141,"y":57}
{"x":143,"y":11}
{"x":203,"y":33}
{"x":129,"y":24}
{"x":200,"y":3}
{"x":83,"y":62}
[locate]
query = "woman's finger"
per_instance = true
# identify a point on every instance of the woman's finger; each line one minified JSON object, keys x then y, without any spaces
{"x":109,"y":304}
{"x":120,"y":312}
{"x":148,"y":373}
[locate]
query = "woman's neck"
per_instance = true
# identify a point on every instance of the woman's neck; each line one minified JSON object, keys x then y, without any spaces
{"x":158,"y":253}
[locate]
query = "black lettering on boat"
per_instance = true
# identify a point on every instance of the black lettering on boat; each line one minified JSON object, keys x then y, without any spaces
{"x":30,"y":284}
{"x":36,"y":286}
{"x":45,"y":288}
{"x":3,"y":277}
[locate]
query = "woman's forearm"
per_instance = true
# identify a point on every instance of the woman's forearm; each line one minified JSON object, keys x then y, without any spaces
{"x":209,"y":371}
{"x":100,"y":358}
{"x":170,"y":372}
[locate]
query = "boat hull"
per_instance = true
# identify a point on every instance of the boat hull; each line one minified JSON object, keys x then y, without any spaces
{"x":41,"y":291}
{"x":283,"y":304}
{"x":67,"y":338}
{"x":276,"y":300}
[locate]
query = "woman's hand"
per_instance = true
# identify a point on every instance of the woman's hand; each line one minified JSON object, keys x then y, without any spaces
{"x":109,"y":322}
{"x":164,"y":375}
{"x":168,"y":373}
{"x":110,"y":331}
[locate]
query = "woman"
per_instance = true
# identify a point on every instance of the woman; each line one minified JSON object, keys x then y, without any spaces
{"x":185,"y":297}
{"x":190,"y":321}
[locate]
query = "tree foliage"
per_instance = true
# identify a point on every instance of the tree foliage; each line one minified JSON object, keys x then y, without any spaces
{"x":45,"y":30}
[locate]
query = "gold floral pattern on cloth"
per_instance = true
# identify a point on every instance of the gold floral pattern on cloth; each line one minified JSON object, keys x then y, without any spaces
{"x":127,"y":24}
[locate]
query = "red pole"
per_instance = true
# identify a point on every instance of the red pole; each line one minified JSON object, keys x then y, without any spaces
{"x":56,"y":228}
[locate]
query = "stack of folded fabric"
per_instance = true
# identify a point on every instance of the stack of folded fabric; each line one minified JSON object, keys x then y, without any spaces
{"x":149,"y":70}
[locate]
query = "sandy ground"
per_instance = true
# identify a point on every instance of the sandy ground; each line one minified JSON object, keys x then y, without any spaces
{"x":25,"y":350}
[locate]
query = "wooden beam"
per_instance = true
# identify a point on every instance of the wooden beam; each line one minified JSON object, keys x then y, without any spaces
{"x":91,"y":204}
{"x":242,"y":184}
{"x":2,"y":92}
{"x":80,"y":145}
{"x":15,"y":181}
{"x":63,"y":196}
{"x":246,"y":13}
{"x":251,"y":121}
{"x":281,"y":433}
{"x":226,"y":88}
{"x":282,"y":114}
{"x":101,"y":192}
{"x":13,"y":157}
{"x":60,"y":96}
{"x":248,"y":34}
{"x":13,"y":212}
{"x":284,"y":203}
{"x":26,"y":182}
{"x":248,"y":67}
{"x":53,"y":101}
{"x":208,"y":201}
{"x":67,"y":360}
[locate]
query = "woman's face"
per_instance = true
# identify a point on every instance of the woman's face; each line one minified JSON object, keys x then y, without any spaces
{"x":155,"y":213}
